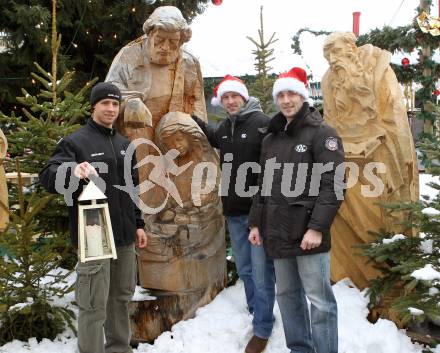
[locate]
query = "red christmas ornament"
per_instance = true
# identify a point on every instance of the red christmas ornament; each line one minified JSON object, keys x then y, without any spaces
{"x":405,"y":62}
{"x":217,"y":2}
{"x":436,"y":92}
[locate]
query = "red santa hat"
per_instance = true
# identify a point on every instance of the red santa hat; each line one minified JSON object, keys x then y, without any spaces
{"x":294,"y":80}
{"x":229,"y":84}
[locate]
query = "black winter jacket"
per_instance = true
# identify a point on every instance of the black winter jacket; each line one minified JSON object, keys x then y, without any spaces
{"x":95,"y":143}
{"x":244,"y":144}
{"x":291,"y":204}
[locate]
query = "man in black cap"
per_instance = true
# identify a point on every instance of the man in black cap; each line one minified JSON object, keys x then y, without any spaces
{"x":103,"y":287}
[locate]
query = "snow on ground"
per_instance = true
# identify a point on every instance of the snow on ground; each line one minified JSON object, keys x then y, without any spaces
{"x":225,"y":326}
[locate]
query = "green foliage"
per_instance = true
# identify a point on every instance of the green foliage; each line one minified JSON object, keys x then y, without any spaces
{"x":262,"y":87}
{"x":397,"y":288}
{"x":296,"y":45}
{"x":398,"y":260}
{"x":34,"y":243}
{"x":30,"y":276}
{"x":92,"y":32}
{"x":209,"y":84}
{"x":34,"y":136}
{"x":39,"y":320}
{"x":407,"y":39}
{"x":392,"y":39}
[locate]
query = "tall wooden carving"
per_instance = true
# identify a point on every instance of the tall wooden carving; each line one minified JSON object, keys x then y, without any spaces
{"x":4,"y":215}
{"x":184,"y":262}
{"x":364,"y":102}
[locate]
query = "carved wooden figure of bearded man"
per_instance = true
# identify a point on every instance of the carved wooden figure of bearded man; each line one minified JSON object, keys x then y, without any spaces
{"x":364,"y":102}
{"x":156,"y":75}
{"x":162,"y":85}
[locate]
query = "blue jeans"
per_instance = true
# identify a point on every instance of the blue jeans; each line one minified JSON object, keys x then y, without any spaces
{"x":300,"y":277}
{"x":257,"y":273}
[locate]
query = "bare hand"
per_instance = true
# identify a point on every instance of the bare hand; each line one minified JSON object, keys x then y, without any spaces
{"x":312,"y":239}
{"x":254,"y":236}
{"x":84,"y":169}
{"x":141,"y":238}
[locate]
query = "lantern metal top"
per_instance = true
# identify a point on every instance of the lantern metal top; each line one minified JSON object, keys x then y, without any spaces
{"x":91,"y":192}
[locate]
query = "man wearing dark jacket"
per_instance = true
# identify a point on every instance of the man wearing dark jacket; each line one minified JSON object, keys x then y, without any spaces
{"x":238,"y":138}
{"x":301,"y":191}
{"x":103,"y":287}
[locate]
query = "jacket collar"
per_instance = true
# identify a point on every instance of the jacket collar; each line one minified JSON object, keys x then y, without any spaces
{"x":102,"y":129}
{"x":306,"y":116}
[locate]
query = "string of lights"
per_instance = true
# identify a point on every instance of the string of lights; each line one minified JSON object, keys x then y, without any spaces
{"x":77,"y":29}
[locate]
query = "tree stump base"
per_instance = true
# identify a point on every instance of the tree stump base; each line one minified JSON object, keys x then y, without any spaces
{"x":150,"y":318}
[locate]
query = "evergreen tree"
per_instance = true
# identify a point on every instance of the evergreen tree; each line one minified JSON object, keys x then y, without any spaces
{"x":33,"y":136}
{"x":409,"y":289}
{"x":92,"y":32}
{"x":31,"y":279}
{"x":35,"y":240}
{"x":47,"y":117}
{"x":262,"y":88}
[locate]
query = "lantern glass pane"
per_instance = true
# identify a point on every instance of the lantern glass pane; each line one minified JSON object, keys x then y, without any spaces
{"x":97,"y":240}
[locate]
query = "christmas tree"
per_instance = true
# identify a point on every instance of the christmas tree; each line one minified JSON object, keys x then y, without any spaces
{"x":32,"y":137}
{"x":92,"y":32}
{"x":262,"y":87}
{"x":35,"y":240}
{"x":31,"y":280}
{"x":409,"y":289}
{"x":46,"y":117}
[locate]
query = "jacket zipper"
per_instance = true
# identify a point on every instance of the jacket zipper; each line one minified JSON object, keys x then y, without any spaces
{"x":114,"y":154}
{"x":232,"y":129}
{"x":117,"y":174}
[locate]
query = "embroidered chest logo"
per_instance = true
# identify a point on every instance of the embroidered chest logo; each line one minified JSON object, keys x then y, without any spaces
{"x":331,"y":143}
{"x":243,"y":136}
{"x":224,"y":137}
{"x":97,"y":154}
{"x":300,"y":148}
{"x":122,"y":153}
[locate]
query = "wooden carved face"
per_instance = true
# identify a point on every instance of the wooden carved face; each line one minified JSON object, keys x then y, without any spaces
{"x":177,"y":140}
{"x":339,"y":54}
{"x":163,"y":46}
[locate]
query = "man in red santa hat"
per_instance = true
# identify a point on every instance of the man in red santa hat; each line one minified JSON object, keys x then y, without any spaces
{"x":239,"y":137}
{"x":300,"y":193}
